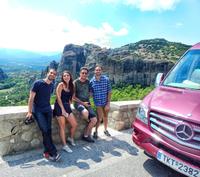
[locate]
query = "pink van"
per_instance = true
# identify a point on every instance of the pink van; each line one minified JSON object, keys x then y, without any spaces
{"x":167,"y":124}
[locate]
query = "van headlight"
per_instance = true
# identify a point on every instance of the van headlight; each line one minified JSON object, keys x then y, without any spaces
{"x":142,"y":113}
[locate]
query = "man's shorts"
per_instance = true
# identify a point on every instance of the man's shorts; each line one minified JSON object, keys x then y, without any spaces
{"x":80,"y":108}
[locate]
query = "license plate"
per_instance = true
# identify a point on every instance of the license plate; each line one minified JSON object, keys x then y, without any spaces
{"x":178,"y":165}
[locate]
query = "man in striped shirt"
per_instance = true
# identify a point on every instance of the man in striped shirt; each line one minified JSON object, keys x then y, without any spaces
{"x":100,"y":88}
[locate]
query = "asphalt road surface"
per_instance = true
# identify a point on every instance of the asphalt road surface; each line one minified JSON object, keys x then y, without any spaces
{"x":114,"y":156}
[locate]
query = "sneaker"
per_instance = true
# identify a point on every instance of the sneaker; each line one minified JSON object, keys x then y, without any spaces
{"x":55,"y":158}
{"x":95,"y":135}
{"x":88,"y":139}
{"x":71,"y":141}
{"x":106,"y":133}
{"x":67,"y":149}
{"x":46,"y":155}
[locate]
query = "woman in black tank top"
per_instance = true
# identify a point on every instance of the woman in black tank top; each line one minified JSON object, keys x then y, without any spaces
{"x":65,"y":98}
{"x":62,"y":109}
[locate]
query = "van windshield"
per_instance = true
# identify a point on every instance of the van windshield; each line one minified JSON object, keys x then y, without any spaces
{"x":186,"y":73}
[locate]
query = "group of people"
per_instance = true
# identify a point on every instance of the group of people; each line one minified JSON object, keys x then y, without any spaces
{"x":68,"y":91}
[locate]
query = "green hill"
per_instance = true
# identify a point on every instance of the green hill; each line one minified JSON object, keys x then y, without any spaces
{"x":157,"y":49}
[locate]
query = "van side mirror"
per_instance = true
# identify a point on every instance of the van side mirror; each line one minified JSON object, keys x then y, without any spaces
{"x":159,"y":78}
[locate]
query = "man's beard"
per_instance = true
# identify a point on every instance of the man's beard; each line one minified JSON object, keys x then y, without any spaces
{"x":50,"y":78}
{"x":99,"y":74}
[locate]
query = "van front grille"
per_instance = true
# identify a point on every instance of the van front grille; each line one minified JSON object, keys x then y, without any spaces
{"x":188,"y":135}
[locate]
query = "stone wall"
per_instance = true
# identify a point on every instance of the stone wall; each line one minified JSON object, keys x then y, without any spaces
{"x":15,"y":136}
{"x":122,"y":114}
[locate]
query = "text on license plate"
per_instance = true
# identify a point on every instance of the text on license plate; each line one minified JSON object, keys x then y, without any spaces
{"x":177,"y":165}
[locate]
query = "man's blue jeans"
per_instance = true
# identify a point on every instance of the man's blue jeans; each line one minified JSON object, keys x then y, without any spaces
{"x":44,"y":123}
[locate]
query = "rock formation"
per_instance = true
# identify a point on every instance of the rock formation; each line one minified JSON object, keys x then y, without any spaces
{"x":53,"y":65}
{"x":2,"y":75}
{"x":136,"y":63}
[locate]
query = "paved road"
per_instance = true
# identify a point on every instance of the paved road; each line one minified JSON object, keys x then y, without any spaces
{"x":116,"y":156}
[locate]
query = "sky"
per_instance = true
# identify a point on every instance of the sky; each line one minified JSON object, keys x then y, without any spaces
{"x":47,"y":26}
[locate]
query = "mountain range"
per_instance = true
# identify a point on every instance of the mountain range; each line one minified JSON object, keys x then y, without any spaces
{"x":16,"y":59}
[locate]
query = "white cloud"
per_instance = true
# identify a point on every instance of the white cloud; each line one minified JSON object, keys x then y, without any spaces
{"x":111,"y":1}
{"x":151,"y":5}
{"x":147,"y":5}
{"x":86,"y":1}
{"x":42,"y":31}
{"x":179,"y":24}
{"x":109,"y":30}
{"x":143,"y":5}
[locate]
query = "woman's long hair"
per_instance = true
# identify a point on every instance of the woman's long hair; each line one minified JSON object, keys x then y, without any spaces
{"x":71,"y":85}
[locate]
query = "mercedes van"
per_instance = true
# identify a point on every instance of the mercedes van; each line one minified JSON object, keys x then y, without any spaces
{"x":167,"y":124}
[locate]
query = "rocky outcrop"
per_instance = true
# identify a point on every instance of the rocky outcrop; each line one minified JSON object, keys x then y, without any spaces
{"x":2,"y":75}
{"x":73,"y":58}
{"x":135,"y":71}
{"x":53,"y":65}
{"x":136,"y":63}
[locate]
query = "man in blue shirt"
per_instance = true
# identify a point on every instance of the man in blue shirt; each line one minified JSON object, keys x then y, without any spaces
{"x":100,"y":88}
{"x":39,"y":106}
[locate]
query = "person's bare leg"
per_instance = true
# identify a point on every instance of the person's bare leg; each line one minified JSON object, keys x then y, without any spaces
{"x":91,"y":124}
{"x":61,"y":123}
{"x":85,"y":115}
{"x":99,"y":117}
{"x":105,"y":118}
{"x":72,"y":121}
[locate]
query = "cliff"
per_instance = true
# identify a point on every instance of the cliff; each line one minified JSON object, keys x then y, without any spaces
{"x":2,"y":75}
{"x":135,"y":63}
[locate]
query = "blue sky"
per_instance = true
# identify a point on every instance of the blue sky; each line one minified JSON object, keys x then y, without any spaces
{"x":48,"y":25}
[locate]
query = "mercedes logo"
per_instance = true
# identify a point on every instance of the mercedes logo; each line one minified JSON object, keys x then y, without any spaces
{"x":184,"y":131}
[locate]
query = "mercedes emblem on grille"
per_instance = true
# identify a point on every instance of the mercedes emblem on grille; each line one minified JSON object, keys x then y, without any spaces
{"x":184,"y":131}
